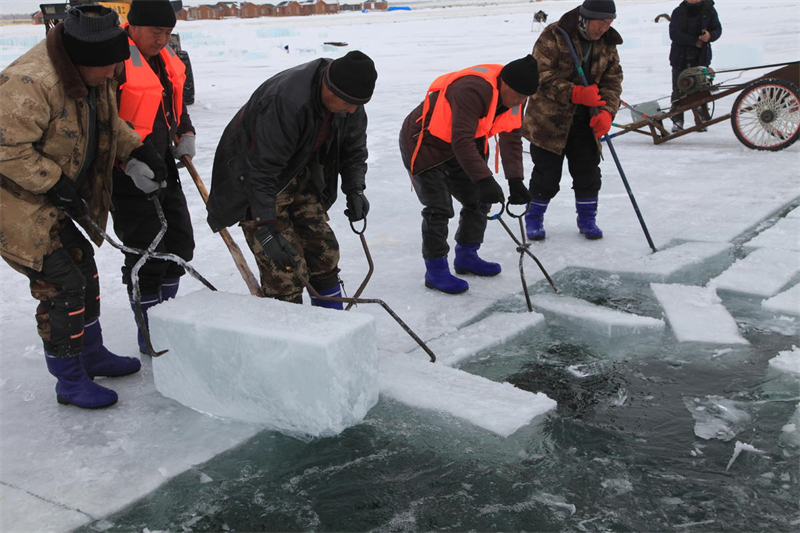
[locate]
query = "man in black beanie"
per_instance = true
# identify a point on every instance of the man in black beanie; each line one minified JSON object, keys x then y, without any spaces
{"x":60,"y":136}
{"x":565,"y":120}
{"x":151,"y":98}
{"x":444,"y":144}
{"x":277,"y":168}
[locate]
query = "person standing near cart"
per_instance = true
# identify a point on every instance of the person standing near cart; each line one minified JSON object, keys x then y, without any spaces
{"x":693,"y":27}
{"x":565,"y":119}
{"x":151,"y":98}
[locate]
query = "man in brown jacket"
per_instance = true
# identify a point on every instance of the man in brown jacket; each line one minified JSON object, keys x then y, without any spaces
{"x":444,"y":143}
{"x":564,"y":119}
{"x":60,"y":136}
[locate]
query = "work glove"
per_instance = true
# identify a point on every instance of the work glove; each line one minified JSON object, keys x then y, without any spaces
{"x":588,"y":96}
{"x":147,"y":169}
{"x":185,"y":146}
{"x":357,"y":206}
{"x":601,"y":123}
{"x":275,"y":246}
{"x":491,"y":192}
{"x":64,"y":195}
{"x":520,"y":195}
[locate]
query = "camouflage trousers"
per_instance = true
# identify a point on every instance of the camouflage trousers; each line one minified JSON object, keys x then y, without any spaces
{"x":302,"y":221}
{"x":67,"y":288}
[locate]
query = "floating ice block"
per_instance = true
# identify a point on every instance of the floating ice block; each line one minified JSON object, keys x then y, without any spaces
{"x":761,"y":273}
{"x":497,"y":407}
{"x":787,"y":302}
{"x":696,"y":314}
{"x":294,"y":368}
{"x":598,"y":318}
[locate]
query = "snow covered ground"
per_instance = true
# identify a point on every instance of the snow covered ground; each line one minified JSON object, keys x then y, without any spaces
{"x":61,"y":467}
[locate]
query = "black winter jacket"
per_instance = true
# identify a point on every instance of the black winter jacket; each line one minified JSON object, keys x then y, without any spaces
{"x":270,"y":141}
{"x":685,"y":29}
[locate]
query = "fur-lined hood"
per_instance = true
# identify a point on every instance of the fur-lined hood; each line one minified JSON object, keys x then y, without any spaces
{"x":65,"y":68}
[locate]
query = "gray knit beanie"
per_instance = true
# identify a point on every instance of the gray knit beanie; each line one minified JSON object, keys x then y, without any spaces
{"x":93,"y":38}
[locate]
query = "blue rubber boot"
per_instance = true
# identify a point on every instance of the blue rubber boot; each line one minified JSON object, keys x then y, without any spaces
{"x":74,"y":386}
{"x":98,"y":361}
{"x":333,"y":291}
{"x":468,"y":262}
{"x":148,"y":301}
{"x":534,"y":220}
{"x":587,"y":211}
{"x":438,"y":276}
{"x":169,"y":288}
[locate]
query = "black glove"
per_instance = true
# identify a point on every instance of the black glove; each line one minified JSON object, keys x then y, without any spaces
{"x":64,"y":195}
{"x":520,"y":195}
{"x":275,"y":246}
{"x":491,"y":192}
{"x":357,"y":206}
{"x":148,"y":155}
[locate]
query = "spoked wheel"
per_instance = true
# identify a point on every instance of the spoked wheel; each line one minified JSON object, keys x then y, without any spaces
{"x":766,"y":115}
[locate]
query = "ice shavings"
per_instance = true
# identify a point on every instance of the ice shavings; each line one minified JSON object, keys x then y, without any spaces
{"x":497,"y":407}
{"x":603,"y":320}
{"x":716,"y":417}
{"x":297,"y":369}
{"x":787,"y":361}
{"x":696,"y":314}
{"x":762,"y":273}
{"x":739,"y":447}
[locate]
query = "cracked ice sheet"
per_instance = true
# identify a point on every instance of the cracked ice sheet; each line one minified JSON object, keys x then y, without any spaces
{"x":492,"y":331}
{"x":784,"y":235}
{"x":787,"y":361}
{"x":497,"y":407}
{"x":696,"y":314}
{"x":665,"y":263}
{"x":25,"y":512}
{"x":761,"y":273}
{"x":787,"y":302}
{"x":604,"y":320}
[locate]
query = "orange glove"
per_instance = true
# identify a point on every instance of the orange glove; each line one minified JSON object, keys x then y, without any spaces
{"x":601,"y":123}
{"x":588,"y":96}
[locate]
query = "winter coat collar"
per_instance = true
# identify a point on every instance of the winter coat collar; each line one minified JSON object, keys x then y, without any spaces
{"x":569,"y":22}
{"x":66,"y":69}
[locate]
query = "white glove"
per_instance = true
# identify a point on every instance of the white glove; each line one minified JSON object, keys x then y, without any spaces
{"x":143,"y":176}
{"x":185,"y":146}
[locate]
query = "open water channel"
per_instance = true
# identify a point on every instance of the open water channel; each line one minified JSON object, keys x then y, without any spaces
{"x":620,"y":453}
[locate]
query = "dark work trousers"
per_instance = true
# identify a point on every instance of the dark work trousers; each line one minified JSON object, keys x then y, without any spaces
{"x":583,"y":161}
{"x":68,"y":290}
{"x":677,"y":94}
{"x":436,"y":188}
{"x":136,"y":223}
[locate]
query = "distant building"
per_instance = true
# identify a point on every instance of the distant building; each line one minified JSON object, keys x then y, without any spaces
{"x":205,"y":12}
{"x":249,"y":10}
{"x":229,"y":9}
{"x":183,"y":14}
{"x":350,"y":7}
{"x":289,"y":8}
{"x":376,"y":6}
{"x":37,"y":18}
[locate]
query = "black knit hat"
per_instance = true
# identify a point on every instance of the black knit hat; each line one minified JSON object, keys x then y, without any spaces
{"x":93,"y":38}
{"x":352,"y":77}
{"x":522,"y":75}
{"x":599,"y":9}
{"x":152,"y":13}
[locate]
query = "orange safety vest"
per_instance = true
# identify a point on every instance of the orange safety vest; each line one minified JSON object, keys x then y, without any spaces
{"x":142,"y":94}
{"x":441,"y":123}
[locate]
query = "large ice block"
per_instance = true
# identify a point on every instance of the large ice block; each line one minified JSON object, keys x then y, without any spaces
{"x":297,"y":369}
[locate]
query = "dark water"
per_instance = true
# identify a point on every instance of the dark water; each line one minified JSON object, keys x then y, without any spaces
{"x":619,"y":454}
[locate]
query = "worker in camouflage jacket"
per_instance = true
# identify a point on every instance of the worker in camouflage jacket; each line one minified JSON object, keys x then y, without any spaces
{"x":277,"y":168}
{"x":60,"y":136}
{"x":564,"y":119}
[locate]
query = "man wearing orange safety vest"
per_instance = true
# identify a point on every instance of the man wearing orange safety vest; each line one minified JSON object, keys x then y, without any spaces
{"x":444,"y":143}
{"x":151,"y":98}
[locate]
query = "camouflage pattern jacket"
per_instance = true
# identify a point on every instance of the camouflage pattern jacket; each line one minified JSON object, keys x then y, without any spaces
{"x":44,"y":134}
{"x":548,"y":117}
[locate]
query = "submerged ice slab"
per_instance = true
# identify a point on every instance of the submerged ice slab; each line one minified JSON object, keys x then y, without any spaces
{"x":294,"y":368}
{"x":602,"y":320}
{"x":787,"y":302}
{"x":497,"y":407}
{"x":761,"y":273}
{"x":696,"y":314}
{"x":717,"y":417}
{"x":665,"y":264}
{"x":490,"y":332}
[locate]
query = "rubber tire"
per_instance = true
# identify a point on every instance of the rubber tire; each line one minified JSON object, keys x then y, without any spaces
{"x":790,"y":104}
